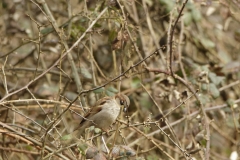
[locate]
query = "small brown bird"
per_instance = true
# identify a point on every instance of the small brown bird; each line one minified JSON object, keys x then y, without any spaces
{"x":105,"y":113}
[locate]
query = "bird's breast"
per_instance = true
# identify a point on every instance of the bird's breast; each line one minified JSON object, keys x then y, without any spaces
{"x":113,"y":109}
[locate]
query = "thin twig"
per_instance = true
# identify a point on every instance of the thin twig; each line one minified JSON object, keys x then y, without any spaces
{"x":103,"y":85}
{"x":56,"y":63}
{"x":191,"y":89}
{"x":180,"y":50}
{"x":153,"y":34}
{"x":229,"y":85}
{"x":171,"y":36}
{"x":4,"y":76}
{"x":28,"y":140}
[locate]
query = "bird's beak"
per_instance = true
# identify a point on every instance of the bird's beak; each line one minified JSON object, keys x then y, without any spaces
{"x":125,"y":109}
{"x":126,"y":104}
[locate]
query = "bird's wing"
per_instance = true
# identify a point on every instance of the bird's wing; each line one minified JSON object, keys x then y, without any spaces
{"x":97,"y":108}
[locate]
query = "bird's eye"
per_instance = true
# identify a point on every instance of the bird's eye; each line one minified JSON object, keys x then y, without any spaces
{"x":122,"y":102}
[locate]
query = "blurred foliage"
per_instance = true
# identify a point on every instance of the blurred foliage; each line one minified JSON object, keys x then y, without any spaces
{"x":205,"y":55}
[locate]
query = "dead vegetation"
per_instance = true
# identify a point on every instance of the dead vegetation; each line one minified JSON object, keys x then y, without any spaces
{"x":178,"y":62}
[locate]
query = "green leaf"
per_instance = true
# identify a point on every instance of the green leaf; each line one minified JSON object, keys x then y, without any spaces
{"x":204,"y":86}
{"x":100,"y":90}
{"x":112,"y":89}
{"x":97,"y":130}
{"x":187,"y":18}
{"x":215,"y":79}
{"x":135,"y":82}
{"x":204,"y":99}
{"x":97,"y":25}
{"x":46,"y":30}
{"x":112,"y":35}
{"x":66,"y":137}
{"x":29,"y":148}
{"x":169,"y":5}
{"x":152,"y":157}
{"x":207,"y":43}
{"x":145,"y":101}
{"x":196,"y":15}
{"x":213,"y":90}
{"x":83,"y":147}
{"x":230,"y":102}
{"x":81,"y":28}
{"x":109,"y":93}
{"x":85,"y":73}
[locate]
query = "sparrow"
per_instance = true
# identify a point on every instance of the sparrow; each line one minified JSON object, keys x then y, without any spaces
{"x":104,"y":113}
